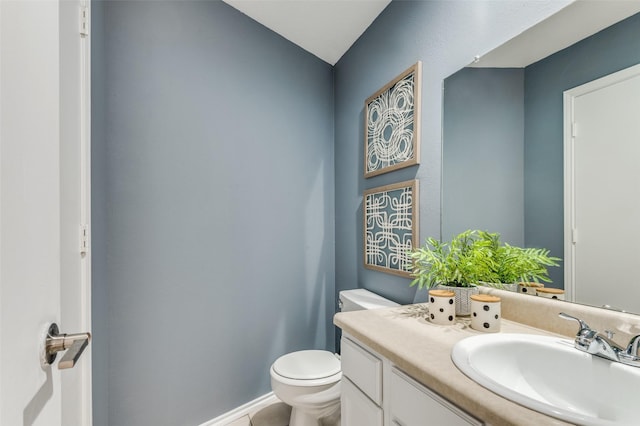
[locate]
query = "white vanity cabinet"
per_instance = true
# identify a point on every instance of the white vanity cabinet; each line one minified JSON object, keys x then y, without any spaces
{"x":412,"y":404}
{"x":376,"y":393}
{"x":361,"y":397}
{"x":357,"y":409}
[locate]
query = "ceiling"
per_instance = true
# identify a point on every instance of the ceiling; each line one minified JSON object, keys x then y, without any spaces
{"x":575,"y":22}
{"x":328,"y":28}
{"x":325,"y":28}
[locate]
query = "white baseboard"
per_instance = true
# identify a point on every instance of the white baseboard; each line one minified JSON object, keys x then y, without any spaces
{"x":243,"y":410}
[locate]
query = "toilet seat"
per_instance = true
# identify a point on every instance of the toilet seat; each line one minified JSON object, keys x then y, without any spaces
{"x":306,"y":365}
{"x":307,"y":368}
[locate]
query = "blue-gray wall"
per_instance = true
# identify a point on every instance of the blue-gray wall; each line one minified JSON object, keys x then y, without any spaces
{"x":99,"y":290}
{"x":482,"y":175}
{"x":214,"y":190}
{"x":213,"y":209}
{"x":445,"y":36}
{"x":608,"y":51}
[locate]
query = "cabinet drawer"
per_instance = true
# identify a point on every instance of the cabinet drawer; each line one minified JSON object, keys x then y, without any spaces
{"x":412,"y":404}
{"x":363,"y":368}
{"x":357,"y":409}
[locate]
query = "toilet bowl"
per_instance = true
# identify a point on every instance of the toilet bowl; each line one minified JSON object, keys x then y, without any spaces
{"x":309,"y":381}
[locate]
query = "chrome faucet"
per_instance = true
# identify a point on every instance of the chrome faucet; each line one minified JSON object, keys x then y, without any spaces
{"x":594,"y":343}
{"x":630,"y":356}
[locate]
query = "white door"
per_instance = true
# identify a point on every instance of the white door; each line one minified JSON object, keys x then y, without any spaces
{"x":602,"y":165}
{"x":44,"y":199}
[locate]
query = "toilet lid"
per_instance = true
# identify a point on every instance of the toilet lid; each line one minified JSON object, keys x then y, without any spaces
{"x":307,"y":365}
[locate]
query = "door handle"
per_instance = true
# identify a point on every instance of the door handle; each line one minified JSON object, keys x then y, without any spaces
{"x":56,"y":342}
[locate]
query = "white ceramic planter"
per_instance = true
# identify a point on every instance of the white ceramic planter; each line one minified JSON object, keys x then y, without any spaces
{"x":501,"y":286}
{"x":509,"y":287}
{"x":463,"y":301}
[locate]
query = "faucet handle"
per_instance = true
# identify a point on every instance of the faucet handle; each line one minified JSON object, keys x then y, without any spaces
{"x":632,"y":347}
{"x":586,"y":337}
{"x":583,"y":325}
{"x":630,"y":355}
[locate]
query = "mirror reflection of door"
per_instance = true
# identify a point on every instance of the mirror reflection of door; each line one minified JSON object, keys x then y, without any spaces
{"x":602,"y":153}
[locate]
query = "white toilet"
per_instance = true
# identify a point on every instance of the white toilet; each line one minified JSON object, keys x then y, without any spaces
{"x":309,"y":381}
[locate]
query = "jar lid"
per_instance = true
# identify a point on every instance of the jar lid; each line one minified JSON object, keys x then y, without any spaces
{"x":550,"y":290}
{"x":441,"y":293}
{"x":486,"y":298}
{"x":532,"y":284}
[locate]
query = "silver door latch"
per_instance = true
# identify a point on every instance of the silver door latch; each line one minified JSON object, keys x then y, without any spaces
{"x":74,"y":344}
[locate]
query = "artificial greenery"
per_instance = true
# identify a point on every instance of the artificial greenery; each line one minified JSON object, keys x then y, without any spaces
{"x":512,"y":264}
{"x":478,"y":257}
{"x":460,"y":263}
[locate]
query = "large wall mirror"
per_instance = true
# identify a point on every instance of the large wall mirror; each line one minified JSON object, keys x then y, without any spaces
{"x":504,"y":156}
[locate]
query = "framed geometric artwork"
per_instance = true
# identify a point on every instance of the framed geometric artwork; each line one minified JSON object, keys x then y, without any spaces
{"x":390,"y":227}
{"x":392,"y":124}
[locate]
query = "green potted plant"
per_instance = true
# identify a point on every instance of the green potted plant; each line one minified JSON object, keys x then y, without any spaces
{"x":457,"y":265}
{"x":512,"y":265}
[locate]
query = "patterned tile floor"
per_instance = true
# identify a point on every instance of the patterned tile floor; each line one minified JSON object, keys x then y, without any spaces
{"x":276,"y":414}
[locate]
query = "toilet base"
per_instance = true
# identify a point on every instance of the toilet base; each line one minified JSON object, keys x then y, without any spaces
{"x":311,"y":405}
{"x":301,"y":418}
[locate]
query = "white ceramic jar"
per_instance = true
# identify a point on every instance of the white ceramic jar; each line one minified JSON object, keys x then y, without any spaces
{"x":550,"y":293}
{"x":442,"y":307}
{"x":529,"y":288}
{"x":485,"y":313}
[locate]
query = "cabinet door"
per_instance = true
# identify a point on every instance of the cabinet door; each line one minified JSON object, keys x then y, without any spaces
{"x":357,"y":408}
{"x":412,"y":404}
{"x":363,"y":368}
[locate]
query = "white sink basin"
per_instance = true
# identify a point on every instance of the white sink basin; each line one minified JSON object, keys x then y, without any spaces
{"x":549,"y":375}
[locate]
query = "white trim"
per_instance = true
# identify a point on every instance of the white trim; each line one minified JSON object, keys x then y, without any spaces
{"x":570,"y":135}
{"x":243,"y":410}
{"x":568,"y":208}
{"x":1,"y":195}
{"x":85,"y":213}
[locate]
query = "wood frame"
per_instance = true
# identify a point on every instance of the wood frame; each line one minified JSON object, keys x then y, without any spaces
{"x":404,"y":125}
{"x":390,"y":227}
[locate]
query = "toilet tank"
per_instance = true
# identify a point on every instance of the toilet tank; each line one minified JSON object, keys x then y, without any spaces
{"x":359,"y":299}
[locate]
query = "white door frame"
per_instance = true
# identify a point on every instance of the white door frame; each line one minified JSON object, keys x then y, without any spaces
{"x":570,"y":133}
{"x":75,"y":163}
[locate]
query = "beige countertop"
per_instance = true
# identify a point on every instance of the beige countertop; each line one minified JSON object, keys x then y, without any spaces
{"x":423,"y":350}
